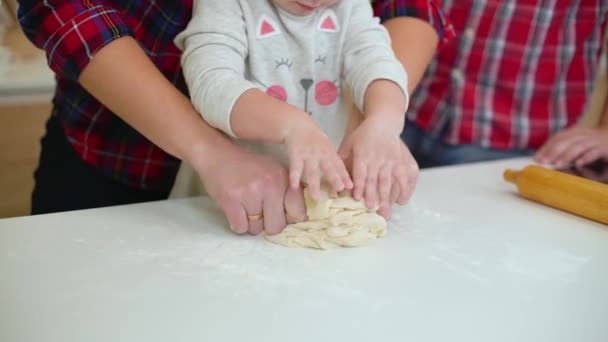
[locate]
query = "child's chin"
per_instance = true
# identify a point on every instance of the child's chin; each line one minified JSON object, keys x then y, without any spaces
{"x":299,"y":11}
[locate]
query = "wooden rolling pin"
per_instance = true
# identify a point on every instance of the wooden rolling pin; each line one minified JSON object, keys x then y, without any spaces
{"x":560,"y":190}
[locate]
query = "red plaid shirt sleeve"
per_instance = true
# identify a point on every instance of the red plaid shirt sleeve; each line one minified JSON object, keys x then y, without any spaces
{"x":71,"y":32}
{"x":427,"y":10}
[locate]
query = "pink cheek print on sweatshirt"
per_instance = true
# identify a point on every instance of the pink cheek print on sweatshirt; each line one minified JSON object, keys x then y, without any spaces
{"x":326,"y":93}
{"x":278,"y":92}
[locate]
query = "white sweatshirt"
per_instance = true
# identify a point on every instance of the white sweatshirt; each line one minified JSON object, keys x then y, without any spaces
{"x":231,"y":46}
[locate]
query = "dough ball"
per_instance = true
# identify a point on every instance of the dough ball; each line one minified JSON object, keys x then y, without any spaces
{"x":335,"y":220}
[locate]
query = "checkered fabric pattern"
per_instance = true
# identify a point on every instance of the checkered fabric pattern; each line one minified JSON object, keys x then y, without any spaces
{"x":519,"y":71}
{"x":71,"y":32}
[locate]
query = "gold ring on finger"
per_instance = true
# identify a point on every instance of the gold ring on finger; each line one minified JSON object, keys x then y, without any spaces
{"x":257,"y":217}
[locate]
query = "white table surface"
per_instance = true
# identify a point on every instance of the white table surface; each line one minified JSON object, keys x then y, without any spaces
{"x":467,"y":260}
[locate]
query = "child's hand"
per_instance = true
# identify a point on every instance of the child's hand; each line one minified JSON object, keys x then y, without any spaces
{"x":575,"y":146}
{"x":381,"y":168}
{"x":310,"y":153}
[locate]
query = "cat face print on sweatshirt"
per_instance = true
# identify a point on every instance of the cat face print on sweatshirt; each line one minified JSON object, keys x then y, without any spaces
{"x":306,"y":79}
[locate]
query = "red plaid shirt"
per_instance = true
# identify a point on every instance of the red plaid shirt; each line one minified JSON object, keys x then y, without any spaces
{"x":72,"y":31}
{"x":519,"y":71}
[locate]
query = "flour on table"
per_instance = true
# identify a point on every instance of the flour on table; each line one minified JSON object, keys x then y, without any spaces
{"x":333,"y":221}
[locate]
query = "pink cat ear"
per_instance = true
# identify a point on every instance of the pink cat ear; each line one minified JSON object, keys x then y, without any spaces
{"x":329,"y":22}
{"x":267,"y":28}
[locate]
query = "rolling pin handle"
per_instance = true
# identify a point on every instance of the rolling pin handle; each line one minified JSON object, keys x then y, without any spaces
{"x":511,"y":176}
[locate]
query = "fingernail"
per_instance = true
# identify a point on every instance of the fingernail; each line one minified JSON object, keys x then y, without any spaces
{"x":237,"y":231}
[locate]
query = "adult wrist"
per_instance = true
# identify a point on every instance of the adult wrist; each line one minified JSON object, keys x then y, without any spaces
{"x":205,"y":148}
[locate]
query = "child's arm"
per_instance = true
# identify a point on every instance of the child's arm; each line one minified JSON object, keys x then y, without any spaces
{"x":386,"y":101}
{"x":215,"y":51}
{"x":370,"y":62}
{"x":310,"y":151}
{"x":379,"y":85}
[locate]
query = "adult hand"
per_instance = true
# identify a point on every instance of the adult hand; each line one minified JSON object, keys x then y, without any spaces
{"x":574,"y":146}
{"x":596,"y":172}
{"x":252,"y":190}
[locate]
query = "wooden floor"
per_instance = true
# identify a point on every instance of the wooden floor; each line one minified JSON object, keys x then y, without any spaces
{"x":22,"y":127}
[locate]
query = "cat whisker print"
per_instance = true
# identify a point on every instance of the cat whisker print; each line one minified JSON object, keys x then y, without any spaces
{"x":321,"y":59}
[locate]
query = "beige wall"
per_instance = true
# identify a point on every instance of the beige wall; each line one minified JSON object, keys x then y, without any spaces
{"x":21,"y":129}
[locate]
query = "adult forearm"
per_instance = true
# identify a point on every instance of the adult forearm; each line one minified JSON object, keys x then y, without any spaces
{"x":414,"y":42}
{"x":123,"y":78}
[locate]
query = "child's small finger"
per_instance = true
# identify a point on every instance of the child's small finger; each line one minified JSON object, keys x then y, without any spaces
{"x":359,"y":175}
{"x":386,"y":212}
{"x":371,"y":182}
{"x":313,"y":177}
{"x":332,"y":176}
{"x":343,"y":174}
{"x":295,"y":172}
{"x":385,"y":178}
{"x":395,"y":191}
{"x":404,"y":179}
{"x":407,"y":189}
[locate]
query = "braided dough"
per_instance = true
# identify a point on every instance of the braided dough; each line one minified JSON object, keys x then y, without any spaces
{"x":333,"y":221}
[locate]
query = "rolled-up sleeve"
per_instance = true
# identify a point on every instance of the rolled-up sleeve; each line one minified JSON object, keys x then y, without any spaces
{"x":71,"y":32}
{"x":427,"y":10}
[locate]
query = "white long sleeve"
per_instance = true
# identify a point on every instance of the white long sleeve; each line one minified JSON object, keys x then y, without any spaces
{"x":368,"y":55}
{"x":215,"y":48}
{"x":231,"y":46}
